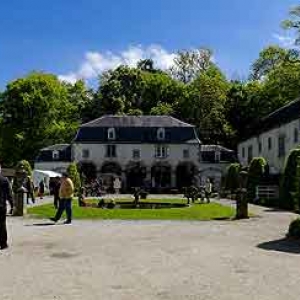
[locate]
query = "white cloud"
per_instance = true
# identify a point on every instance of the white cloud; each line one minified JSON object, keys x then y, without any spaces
{"x":285,"y":41}
{"x":95,"y":63}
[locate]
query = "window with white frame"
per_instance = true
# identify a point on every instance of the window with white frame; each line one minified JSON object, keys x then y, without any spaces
{"x":85,"y":153}
{"x":55,"y":155}
{"x":161,"y":151}
{"x":243,"y":152}
{"x":217,"y":156}
{"x":259,"y":147}
{"x":111,"y":151}
{"x":161,"y":134}
{"x":250,"y":153}
{"x":296,"y":135}
{"x":281,"y":146}
{"x":136,"y":153}
{"x":111,"y":134}
{"x":269,"y":143}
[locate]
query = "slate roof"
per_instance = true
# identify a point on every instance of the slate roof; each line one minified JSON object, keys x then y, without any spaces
{"x":281,"y":116}
{"x":46,"y":154}
{"x":57,"y":147}
{"x":136,"y":121}
{"x":136,"y":129}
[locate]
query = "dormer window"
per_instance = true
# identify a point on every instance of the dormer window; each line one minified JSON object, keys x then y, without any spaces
{"x":217,"y":156}
{"x":55,"y":155}
{"x":111,"y":134}
{"x":161,"y":134}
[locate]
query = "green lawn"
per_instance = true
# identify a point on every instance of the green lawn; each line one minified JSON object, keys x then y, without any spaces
{"x":197,"y":212}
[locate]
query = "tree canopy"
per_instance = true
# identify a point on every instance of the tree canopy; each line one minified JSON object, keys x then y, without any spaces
{"x":39,"y":110}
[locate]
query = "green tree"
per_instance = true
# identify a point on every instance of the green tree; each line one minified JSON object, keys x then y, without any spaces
{"x":134,"y":112}
{"x":293,"y":23}
{"x":73,"y":173}
{"x":244,"y":106}
{"x":270,"y":58}
{"x":281,"y":86}
{"x":162,"y":109}
{"x":36,"y":112}
{"x":120,"y":90}
{"x":256,"y":172}
{"x":189,"y":64}
{"x":203,"y":105}
{"x":82,"y":102}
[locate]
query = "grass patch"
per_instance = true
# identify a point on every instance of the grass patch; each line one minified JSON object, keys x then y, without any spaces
{"x":197,"y":212}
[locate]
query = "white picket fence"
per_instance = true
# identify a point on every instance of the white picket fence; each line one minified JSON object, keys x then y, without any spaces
{"x":267,"y":192}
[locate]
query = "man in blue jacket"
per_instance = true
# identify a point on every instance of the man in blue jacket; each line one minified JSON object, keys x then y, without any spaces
{"x":5,"y":195}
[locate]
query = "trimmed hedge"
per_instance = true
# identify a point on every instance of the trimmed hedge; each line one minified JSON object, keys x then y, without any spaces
{"x":232,"y":177}
{"x":294,"y":229}
{"x":75,"y":177}
{"x":255,"y":174}
{"x":290,"y":182}
{"x":26,"y":166}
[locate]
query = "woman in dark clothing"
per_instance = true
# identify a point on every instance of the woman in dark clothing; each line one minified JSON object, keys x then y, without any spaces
{"x":56,"y":187}
{"x":30,"y":190}
{"x":41,"y":189}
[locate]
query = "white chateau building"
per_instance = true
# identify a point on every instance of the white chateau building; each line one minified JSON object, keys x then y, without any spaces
{"x":159,"y":152}
{"x":273,"y":138}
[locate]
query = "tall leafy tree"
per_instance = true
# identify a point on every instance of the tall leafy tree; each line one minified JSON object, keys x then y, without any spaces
{"x":188,"y":64}
{"x":35,"y":113}
{"x":204,"y":105}
{"x":293,"y":23}
{"x":270,"y":58}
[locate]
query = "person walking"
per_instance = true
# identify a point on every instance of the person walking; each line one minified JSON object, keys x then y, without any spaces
{"x":30,"y":190}
{"x":56,"y":187}
{"x":41,"y":189}
{"x":208,"y":190}
{"x":5,"y":195}
{"x":66,"y":192}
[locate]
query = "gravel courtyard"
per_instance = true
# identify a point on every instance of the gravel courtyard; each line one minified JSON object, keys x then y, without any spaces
{"x":152,"y":260}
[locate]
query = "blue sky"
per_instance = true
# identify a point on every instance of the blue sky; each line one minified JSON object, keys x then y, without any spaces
{"x":81,"y":38}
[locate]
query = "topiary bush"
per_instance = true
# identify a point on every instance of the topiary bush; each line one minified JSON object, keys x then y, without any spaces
{"x":294,"y":229}
{"x":75,"y":177}
{"x":26,"y":166}
{"x":255,"y":174}
{"x":289,"y":184}
{"x":232,"y":177}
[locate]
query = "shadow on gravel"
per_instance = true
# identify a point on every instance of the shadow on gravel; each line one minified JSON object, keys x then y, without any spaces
{"x":283,"y":245}
{"x":42,"y":224}
{"x":276,"y":210}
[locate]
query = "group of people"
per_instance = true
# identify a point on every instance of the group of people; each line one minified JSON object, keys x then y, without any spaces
{"x":63,"y":194}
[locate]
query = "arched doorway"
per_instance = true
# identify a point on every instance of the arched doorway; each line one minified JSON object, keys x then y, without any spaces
{"x":135,"y":175}
{"x":88,"y":171}
{"x":109,"y":171}
{"x":185,"y":174}
{"x":161,"y":177}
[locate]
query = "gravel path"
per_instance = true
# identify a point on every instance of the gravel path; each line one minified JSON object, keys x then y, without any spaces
{"x":230,"y":260}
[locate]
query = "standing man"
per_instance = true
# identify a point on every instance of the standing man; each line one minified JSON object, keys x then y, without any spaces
{"x":66,"y":192}
{"x":208,"y":190}
{"x":5,"y":195}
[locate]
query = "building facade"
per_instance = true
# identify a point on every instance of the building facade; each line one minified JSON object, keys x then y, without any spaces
{"x":159,"y":152}
{"x":273,"y":138}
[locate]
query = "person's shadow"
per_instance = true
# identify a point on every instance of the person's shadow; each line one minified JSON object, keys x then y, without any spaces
{"x":44,"y":224}
{"x":287,"y":245}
